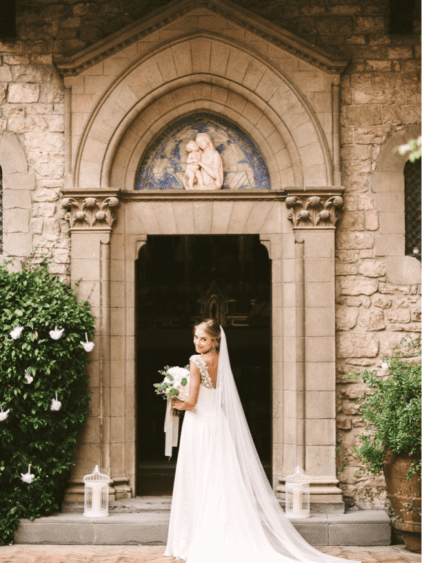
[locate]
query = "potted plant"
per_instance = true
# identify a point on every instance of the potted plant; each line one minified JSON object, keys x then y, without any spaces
{"x":392,"y":441}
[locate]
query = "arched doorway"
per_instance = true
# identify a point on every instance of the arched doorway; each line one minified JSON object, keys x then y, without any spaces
{"x":179,"y":280}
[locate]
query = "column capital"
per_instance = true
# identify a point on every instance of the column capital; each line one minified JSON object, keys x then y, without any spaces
{"x":314,"y":207}
{"x":92,"y":209}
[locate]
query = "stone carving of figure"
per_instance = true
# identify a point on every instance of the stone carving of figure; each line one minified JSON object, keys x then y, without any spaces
{"x":211,"y":165}
{"x":192,"y":169}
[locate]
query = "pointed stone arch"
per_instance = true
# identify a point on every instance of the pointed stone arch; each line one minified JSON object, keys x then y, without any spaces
{"x":243,"y":86}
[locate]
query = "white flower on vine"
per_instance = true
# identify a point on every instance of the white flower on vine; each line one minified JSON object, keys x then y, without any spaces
{"x":4,"y":414}
{"x":29,"y":378}
{"x":55,"y":404}
{"x":56,"y":334}
{"x":27,"y":477}
{"x":384,"y":365}
{"x":16,"y":332}
{"x":87,"y":345}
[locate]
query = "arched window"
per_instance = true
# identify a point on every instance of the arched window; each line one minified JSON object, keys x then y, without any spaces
{"x":1,"y":211}
{"x":401,"y":16}
{"x":412,"y":208}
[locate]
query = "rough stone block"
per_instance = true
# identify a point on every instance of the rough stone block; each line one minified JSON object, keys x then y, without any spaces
{"x":399,"y":316}
{"x":357,"y":285}
{"x":372,"y":319}
{"x":346,"y":317}
{"x":355,"y":240}
{"x":372,"y":268}
{"x":353,"y":116}
{"x":355,"y":345}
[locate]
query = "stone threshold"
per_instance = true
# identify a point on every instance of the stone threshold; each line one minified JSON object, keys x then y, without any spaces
{"x":364,"y":527}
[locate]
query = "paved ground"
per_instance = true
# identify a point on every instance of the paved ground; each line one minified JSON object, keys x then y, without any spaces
{"x":155,"y":554}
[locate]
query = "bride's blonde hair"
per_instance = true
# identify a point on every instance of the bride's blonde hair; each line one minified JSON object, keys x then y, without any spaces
{"x":212,"y":328}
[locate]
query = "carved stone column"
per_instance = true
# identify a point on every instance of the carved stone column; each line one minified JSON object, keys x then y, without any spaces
{"x":309,"y":343}
{"x":91,"y":214}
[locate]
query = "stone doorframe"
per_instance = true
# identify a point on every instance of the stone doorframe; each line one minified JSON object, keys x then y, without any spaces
{"x":297,"y":226}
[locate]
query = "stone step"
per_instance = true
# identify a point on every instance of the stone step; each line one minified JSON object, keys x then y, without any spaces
{"x":150,"y":527}
{"x":135,"y":504}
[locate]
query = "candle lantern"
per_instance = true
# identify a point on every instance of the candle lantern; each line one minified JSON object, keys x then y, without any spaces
{"x":96,"y":494}
{"x":297,"y":495}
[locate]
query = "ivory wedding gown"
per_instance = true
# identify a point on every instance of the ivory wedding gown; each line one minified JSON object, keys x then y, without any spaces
{"x":223,"y":507}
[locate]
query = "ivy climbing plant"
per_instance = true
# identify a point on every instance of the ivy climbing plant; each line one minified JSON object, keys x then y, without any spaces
{"x":44,"y":398}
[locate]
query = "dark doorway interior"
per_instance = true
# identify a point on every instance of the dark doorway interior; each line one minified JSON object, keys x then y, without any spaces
{"x":179,"y":280}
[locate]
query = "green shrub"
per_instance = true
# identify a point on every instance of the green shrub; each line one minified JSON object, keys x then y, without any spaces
{"x":33,"y":434}
{"x":392,"y":408}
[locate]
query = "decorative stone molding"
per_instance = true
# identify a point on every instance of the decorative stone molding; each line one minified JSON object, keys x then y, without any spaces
{"x":85,"y":59}
{"x":94,"y":213}
{"x":315,"y":211}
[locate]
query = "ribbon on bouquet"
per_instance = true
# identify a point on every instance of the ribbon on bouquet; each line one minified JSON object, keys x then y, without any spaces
{"x":171,"y":428}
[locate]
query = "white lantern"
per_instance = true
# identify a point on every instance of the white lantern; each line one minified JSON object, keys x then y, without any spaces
{"x":96,"y":494}
{"x":297,"y":495}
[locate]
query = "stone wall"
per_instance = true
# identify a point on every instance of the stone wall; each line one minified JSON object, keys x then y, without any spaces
{"x":380,"y":97}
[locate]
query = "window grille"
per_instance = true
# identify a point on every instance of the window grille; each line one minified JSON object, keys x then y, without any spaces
{"x":401,"y":16}
{"x":1,"y":211}
{"x":412,"y":208}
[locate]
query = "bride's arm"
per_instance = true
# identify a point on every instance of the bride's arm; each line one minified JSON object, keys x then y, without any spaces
{"x":194,"y":380}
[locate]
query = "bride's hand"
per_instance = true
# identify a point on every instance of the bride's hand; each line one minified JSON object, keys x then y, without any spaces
{"x":176,"y":404}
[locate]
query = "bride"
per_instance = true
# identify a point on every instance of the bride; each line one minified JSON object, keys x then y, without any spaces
{"x":223,"y":507}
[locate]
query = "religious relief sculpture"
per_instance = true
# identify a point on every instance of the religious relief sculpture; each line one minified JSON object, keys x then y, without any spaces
{"x":204,"y":170}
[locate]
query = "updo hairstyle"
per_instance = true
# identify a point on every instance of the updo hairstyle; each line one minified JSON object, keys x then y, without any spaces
{"x":212,"y":328}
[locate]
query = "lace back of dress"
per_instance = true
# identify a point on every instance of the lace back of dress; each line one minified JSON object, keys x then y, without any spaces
{"x":206,"y":380}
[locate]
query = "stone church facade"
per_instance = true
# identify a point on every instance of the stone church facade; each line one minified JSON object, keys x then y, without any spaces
{"x":326,"y":93}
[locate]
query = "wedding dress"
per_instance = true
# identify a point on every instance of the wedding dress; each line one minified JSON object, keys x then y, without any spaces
{"x":223,"y":507}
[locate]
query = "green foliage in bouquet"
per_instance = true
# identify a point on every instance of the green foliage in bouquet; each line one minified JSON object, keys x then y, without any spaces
{"x":160,"y":388}
{"x":393,"y":406}
{"x":33,"y":434}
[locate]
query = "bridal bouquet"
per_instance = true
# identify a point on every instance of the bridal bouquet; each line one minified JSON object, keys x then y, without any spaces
{"x":175,"y":384}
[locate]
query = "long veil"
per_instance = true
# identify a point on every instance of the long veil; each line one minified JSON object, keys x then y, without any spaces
{"x":278,"y":529}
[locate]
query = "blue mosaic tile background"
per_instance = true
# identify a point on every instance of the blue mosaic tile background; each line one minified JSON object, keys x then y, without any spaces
{"x":165,"y":162}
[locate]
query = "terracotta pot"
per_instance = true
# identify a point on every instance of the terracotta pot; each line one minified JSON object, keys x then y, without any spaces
{"x":401,"y":491}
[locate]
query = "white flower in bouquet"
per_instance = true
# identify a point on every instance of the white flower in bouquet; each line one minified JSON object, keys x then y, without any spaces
{"x":175,"y":383}
{"x":177,"y":372}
